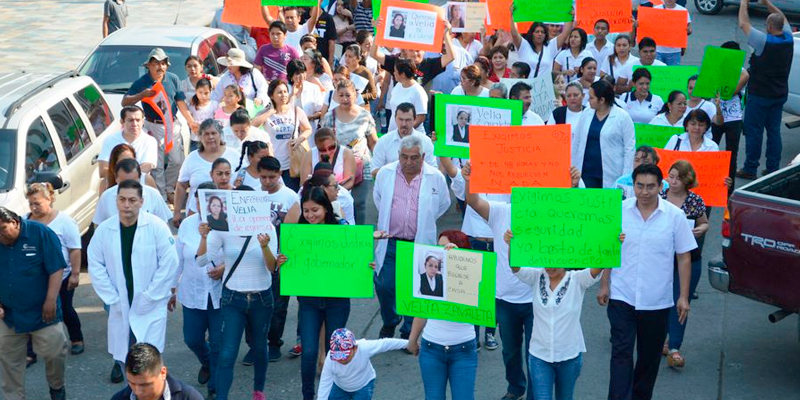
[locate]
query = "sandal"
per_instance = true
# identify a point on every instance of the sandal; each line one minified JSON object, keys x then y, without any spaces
{"x":675,"y":359}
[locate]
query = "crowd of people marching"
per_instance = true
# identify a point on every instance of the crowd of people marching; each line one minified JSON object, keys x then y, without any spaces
{"x":316,"y":116}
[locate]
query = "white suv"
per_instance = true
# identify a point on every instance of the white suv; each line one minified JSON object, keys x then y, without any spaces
{"x":52,"y":128}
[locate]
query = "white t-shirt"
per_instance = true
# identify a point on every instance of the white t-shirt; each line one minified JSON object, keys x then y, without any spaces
{"x":473,"y":49}
{"x":602,"y":53}
{"x":253,"y":134}
{"x":346,"y":202}
{"x":293,"y":38}
{"x":282,"y":128}
{"x":356,"y":374}
{"x":708,"y":144}
{"x":527,"y":54}
{"x":330,"y":100}
{"x":619,"y":67}
{"x":530,"y":118}
{"x":458,"y":90}
{"x":145,"y":145}
{"x":643,"y":111}
{"x":447,"y":333}
{"x":153,"y":204}
{"x":196,"y":170}
{"x":508,"y":287}
{"x":311,"y":103}
{"x":572,"y":118}
{"x":252,"y":274}
{"x":413,"y":94}
{"x":282,"y":202}
{"x":678,"y":7}
{"x":627,"y":72}
{"x":68,"y":234}
{"x":567,"y":61}
{"x":661,"y":120}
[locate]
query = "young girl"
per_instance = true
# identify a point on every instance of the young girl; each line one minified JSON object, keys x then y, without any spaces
{"x":247,"y":174}
{"x":201,"y":107}
{"x":232,"y":100}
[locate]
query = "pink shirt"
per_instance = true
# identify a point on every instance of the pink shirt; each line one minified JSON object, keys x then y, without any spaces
{"x":405,"y":206}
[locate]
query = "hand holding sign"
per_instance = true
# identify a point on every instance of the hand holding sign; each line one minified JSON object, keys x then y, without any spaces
{"x":410,"y":25}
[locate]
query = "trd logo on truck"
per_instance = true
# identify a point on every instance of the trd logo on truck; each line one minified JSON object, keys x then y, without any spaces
{"x":765,"y":243}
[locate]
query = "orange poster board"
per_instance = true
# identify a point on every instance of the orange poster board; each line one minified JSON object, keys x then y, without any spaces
{"x":711,"y":168}
{"x":616,"y":12}
{"x":160,"y":102}
{"x":410,"y":25}
{"x":245,"y":12}
{"x":664,"y":26}
{"x":519,"y":156}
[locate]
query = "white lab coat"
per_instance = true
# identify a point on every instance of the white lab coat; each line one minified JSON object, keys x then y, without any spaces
{"x":155,"y":265}
{"x":434,"y":200}
{"x":617,"y":143}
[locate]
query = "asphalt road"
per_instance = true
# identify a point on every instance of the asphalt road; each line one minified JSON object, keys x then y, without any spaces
{"x":732,"y":351}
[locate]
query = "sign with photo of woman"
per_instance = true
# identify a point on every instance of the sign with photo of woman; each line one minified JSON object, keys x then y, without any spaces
{"x":243,"y":213}
{"x":454,"y":114}
{"x":410,"y":25}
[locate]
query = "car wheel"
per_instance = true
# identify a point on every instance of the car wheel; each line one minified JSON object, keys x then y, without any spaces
{"x":708,"y":7}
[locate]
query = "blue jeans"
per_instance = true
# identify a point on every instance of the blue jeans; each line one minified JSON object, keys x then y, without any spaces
{"x":516,"y":323}
{"x":195,"y":324}
{"x":240,"y":309}
{"x":364,"y":393}
{"x":562,"y":374}
{"x":676,"y":330}
{"x":279,"y":313}
{"x":386,"y":289}
{"x":314,"y":312}
{"x":669,"y":58}
{"x":457,"y":364}
{"x":760,"y":113}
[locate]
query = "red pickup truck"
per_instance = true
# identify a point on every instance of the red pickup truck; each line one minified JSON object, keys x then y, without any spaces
{"x":761,"y":243}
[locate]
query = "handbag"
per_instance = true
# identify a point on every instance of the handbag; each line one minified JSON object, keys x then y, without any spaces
{"x":359,"y":161}
{"x":238,"y":260}
{"x":298,"y":152}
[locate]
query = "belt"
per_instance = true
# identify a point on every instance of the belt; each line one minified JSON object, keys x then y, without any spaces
{"x":154,"y":120}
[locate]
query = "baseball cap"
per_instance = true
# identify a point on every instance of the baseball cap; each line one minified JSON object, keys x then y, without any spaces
{"x":342,"y":343}
{"x":157,"y":53}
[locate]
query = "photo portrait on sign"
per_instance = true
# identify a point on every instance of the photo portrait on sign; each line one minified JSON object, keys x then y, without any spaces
{"x":459,"y":117}
{"x":410,"y":25}
{"x":214,"y":210}
{"x":461,"y":127}
{"x":456,"y":14}
{"x":397,"y":29}
{"x":430,"y":277}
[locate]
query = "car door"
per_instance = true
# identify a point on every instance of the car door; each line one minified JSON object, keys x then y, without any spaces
{"x":42,"y":157}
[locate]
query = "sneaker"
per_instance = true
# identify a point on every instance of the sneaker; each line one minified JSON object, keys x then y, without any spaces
{"x":60,"y":394}
{"x":204,"y":375}
{"x":491,"y":342}
{"x":30,"y":361}
{"x":695,"y":296}
{"x":259,"y":395}
{"x":249,"y":358}
{"x":512,"y":396}
{"x":297,"y":350}
{"x":745,"y":175}
{"x":386,"y":332}
{"x":274,"y":353}
{"x":77,"y":348}
{"x":116,"y":373}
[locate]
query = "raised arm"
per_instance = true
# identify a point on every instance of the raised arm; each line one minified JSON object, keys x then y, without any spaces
{"x":268,"y":18}
{"x":313,"y":18}
{"x":744,"y":17}
{"x":448,"y":55}
{"x":562,"y":37}
{"x":480,"y":205}
{"x":772,"y":9}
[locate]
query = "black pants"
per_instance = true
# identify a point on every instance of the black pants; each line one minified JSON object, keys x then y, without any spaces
{"x":647,"y":330}
{"x":279,"y":313}
{"x":732,"y":132}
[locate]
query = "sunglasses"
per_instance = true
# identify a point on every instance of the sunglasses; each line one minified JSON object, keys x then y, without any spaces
{"x":329,"y":148}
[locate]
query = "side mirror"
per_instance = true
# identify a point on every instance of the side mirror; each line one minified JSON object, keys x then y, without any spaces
{"x":51,"y":177}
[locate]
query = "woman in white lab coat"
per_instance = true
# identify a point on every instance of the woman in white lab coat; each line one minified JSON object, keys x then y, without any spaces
{"x":604,"y":140}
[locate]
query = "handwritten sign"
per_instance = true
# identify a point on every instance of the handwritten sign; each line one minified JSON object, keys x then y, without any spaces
{"x":669,"y":78}
{"x":565,"y":228}
{"x":243,"y":213}
{"x":666,"y":27}
{"x":243,"y":12}
{"x":543,"y":10}
{"x":160,"y":103}
{"x":719,"y":72}
{"x":616,"y":12}
{"x":655,"y":136}
{"x":409,"y":25}
{"x":542,"y":95}
{"x":455,"y":115}
{"x":376,"y":7}
{"x":519,"y":156}
{"x":327,"y":260}
{"x":711,"y":167}
{"x":466,"y":17}
{"x":455,"y":285}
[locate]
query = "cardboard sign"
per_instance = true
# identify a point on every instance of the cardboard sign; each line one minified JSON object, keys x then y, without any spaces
{"x":244,"y":12}
{"x":289,"y":3}
{"x":666,"y":27}
{"x":565,"y":228}
{"x":655,"y":136}
{"x":499,"y":16}
{"x":327,"y":260}
{"x":455,"y":285}
{"x":409,"y":25}
{"x":519,"y":156}
{"x":543,"y":10}
{"x":711,"y":168}
{"x":455,"y":115}
{"x":243,"y":213}
{"x":669,"y":78}
{"x":719,"y":73}
{"x":376,"y":7}
{"x":543,"y":96}
{"x":465,"y":17}
{"x":160,"y":103}
{"x":617,"y":12}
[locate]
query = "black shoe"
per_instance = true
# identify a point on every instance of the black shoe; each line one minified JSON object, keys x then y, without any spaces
{"x":204,"y":375}
{"x":30,"y":361}
{"x":60,"y":394}
{"x":116,"y":373}
{"x":249,"y":359}
{"x":404,"y":335}
{"x":212,"y":395}
{"x":274,"y":354}
{"x":77,"y":349}
{"x":745,"y":175}
{"x":512,"y":396}
{"x":386,"y":332}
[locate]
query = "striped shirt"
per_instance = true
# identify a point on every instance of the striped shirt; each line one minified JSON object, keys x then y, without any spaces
{"x":363,"y":18}
{"x":273,"y":60}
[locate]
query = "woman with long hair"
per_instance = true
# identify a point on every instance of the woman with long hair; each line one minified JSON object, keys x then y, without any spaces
{"x":569,"y":60}
{"x":538,"y":48}
{"x":118,"y":153}
{"x":619,"y":61}
{"x":673,"y":111}
{"x":327,"y":149}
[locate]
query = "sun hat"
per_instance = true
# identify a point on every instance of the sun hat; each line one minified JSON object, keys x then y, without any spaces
{"x":235,"y":58}
{"x":342,"y":343}
{"x":157,"y":53}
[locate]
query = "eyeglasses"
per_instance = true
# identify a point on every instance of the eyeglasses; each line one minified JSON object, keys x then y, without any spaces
{"x":329,"y":148}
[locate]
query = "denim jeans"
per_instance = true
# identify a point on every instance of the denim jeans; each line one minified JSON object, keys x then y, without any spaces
{"x":440,"y":364}
{"x":314,"y":312}
{"x":280,"y":310}
{"x":364,"y":393}
{"x":516,"y":323}
{"x":669,"y":58}
{"x":562,"y":374}
{"x":195,"y":324}
{"x":676,"y":330}
{"x":386,"y":289}
{"x":761,"y":113}
{"x":240,"y":309}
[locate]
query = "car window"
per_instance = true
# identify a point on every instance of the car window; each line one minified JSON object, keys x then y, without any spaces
{"x":115,"y":68}
{"x":70,"y":129}
{"x":208,"y":58}
{"x":95,"y":107}
{"x":221,"y":46}
{"x":40,"y":153}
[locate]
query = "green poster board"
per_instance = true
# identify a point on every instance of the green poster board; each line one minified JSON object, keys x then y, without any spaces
{"x":289,"y":3}
{"x":565,"y":228}
{"x":466,"y":286}
{"x":719,"y":73}
{"x":669,"y":78}
{"x":655,"y":136}
{"x":480,"y":111}
{"x":376,"y":7}
{"x":327,"y":260}
{"x":543,"y":10}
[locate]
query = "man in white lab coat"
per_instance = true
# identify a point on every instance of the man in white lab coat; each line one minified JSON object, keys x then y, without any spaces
{"x":133,"y":265}
{"x":410,"y":195}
